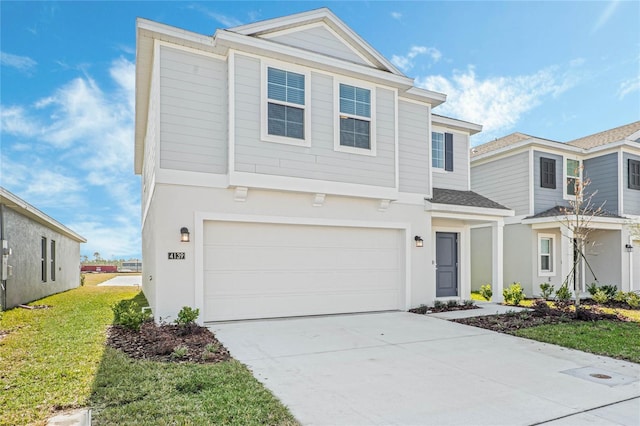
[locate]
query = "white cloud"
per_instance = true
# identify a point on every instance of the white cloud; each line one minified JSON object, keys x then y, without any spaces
{"x":405,"y":63}
{"x":22,"y":63}
{"x":14,"y":121}
{"x":396,"y":15}
{"x":605,"y":15}
{"x":629,"y":86}
{"x":496,"y":102}
{"x":225,"y":20}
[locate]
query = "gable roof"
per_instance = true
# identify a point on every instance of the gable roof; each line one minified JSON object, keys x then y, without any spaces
{"x":323,"y":15}
{"x":16,"y":203}
{"x":608,"y":136}
{"x":463,"y":198}
{"x":502,"y":142}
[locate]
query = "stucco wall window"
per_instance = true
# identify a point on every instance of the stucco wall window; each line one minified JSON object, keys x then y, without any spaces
{"x":43,"y":259}
{"x":545,"y":255}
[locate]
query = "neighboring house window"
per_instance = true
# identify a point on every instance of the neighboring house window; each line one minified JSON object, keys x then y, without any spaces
{"x":634,"y":174}
{"x":545,"y":255}
{"x":547,"y":173}
{"x":355,"y":117}
{"x":53,"y":260}
{"x":43,"y":259}
{"x":286,"y":103}
{"x":572,"y":176}
{"x":442,"y":151}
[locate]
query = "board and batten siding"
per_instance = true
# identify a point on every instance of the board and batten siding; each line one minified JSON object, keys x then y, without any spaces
{"x":320,"y":40}
{"x":319,"y":161}
{"x":546,"y":198}
{"x":631,"y":197}
{"x":604,"y":181}
{"x":413,"y":147}
{"x":458,"y":179}
{"x":193,"y":112}
{"x":505,"y":181}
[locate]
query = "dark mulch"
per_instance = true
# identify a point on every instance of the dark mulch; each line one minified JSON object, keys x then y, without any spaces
{"x":446,"y":308}
{"x":158,"y":343}
{"x":540,"y":314}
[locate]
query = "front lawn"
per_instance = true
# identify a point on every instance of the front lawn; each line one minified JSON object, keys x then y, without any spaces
{"x":54,"y":359}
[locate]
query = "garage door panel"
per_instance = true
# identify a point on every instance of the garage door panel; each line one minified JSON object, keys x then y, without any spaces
{"x":260,"y":270}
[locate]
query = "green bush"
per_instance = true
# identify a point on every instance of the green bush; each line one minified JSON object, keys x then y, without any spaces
{"x":439,"y":304}
{"x":600,"y":297}
{"x":452,"y":303}
{"x":633,"y":299}
{"x":128,"y":314}
{"x":611,"y":290}
{"x":592,"y":288}
{"x":468,"y":302}
{"x":187,"y":316}
{"x":620,"y":296}
{"x":513,"y":295}
{"x":179,"y":352}
{"x":563,"y":295}
{"x":546,"y":290}
{"x":486,"y":292}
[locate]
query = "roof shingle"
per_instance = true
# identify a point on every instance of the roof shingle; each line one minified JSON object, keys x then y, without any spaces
{"x":606,"y":137}
{"x":463,"y":198}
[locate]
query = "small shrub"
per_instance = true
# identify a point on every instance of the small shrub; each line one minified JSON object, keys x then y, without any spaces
{"x":600,"y":297}
{"x":620,"y":297}
{"x":610,"y":290}
{"x":486,"y":292}
{"x":546,"y":290}
{"x":563,"y":296}
{"x":212,"y":347}
{"x":439,"y":304}
{"x":179,"y":352}
{"x":187,"y":316}
{"x":452,"y":303}
{"x":468,"y":302}
{"x":81,"y":280}
{"x":633,"y":299}
{"x":128,"y":314}
{"x":592,"y":288}
{"x":513,"y":295}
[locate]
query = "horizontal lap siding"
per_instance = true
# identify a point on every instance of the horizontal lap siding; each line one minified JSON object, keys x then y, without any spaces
{"x":546,"y":198}
{"x":413,"y":147}
{"x":631,"y":197}
{"x":505,"y":181}
{"x":320,"y":160}
{"x":193,"y":131}
{"x":322,"y":41}
{"x":458,"y":179}
{"x":601,"y":171}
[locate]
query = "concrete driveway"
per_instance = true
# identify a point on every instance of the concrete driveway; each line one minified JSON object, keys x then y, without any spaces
{"x":401,"y":368}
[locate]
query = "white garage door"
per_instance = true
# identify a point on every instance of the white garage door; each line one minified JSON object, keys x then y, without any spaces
{"x":258,"y":270}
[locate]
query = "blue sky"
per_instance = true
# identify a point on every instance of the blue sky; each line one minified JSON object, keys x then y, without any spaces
{"x":557,"y":70}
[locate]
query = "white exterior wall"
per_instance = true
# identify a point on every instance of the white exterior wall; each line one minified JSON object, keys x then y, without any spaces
{"x":606,"y":258}
{"x":519,"y":256}
{"x":172,"y":281}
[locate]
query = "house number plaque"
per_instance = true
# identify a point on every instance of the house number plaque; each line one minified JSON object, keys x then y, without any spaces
{"x":176,"y":255}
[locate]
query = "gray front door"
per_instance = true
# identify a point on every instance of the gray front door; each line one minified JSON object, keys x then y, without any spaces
{"x":446,"y":264}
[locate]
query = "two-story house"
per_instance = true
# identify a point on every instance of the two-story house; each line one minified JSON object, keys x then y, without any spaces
{"x":537,"y":178}
{"x":289,"y":169}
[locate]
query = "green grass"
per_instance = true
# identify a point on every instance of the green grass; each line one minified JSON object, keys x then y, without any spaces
{"x":55,"y":359}
{"x":610,"y":338}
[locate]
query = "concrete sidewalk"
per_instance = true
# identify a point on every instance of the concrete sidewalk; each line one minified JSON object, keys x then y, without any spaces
{"x":406,"y":369}
{"x":123,"y":280}
{"x":484,"y":308}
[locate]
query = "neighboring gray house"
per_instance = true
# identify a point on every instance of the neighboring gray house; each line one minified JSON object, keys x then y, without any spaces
{"x":535,"y":177}
{"x":289,"y":169}
{"x":40,"y":256}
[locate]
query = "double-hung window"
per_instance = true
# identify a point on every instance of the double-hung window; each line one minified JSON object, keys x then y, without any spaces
{"x":545,"y":255}
{"x":634,"y":173}
{"x":286,"y":106}
{"x":442,"y":151}
{"x":572,"y":180}
{"x":355,"y":119}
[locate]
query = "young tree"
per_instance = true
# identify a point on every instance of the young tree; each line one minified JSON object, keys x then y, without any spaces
{"x":97,"y":256}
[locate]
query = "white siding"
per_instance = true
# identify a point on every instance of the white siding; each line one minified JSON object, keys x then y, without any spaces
{"x":458,"y":179}
{"x":320,"y":40}
{"x":505,"y":181}
{"x":150,"y":142}
{"x":413,"y":133}
{"x":320,"y":160}
{"x":193,"y":112}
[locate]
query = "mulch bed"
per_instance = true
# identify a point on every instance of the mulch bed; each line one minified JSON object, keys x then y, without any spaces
{"x":540,"y":314}
{"x":158,"y":342}
{"x":432,"y":310}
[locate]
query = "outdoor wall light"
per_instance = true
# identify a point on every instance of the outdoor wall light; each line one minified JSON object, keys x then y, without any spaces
{"x":419,"y":241}
{"x":184,"y":235}
{"x":629,"y":248}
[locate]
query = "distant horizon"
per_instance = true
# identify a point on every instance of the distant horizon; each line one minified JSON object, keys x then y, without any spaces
{"x":553,"y":70}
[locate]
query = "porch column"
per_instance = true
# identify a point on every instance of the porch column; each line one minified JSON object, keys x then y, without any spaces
{"x":497,"y":260}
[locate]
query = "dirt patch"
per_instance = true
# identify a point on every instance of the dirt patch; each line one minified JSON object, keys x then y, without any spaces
{"x":168,"y":343}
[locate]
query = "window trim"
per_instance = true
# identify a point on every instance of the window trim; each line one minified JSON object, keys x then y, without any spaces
{"x":372,"y":151}
{"x":264,"y":101}
{"x":448,"y":156}
{"x":43,"y":259}
{"x":566,"y":176}
{"x":548,"y":185}
{"x":52,"y":259}
{"x":552,"y":250}
{"x":630,"y":184}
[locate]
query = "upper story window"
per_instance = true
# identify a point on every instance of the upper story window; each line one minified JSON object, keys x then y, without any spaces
{"x":634,"y":174}
{"x":285,"y":112}
{"x":355,"y":117}
{"x":572,"y":174}
{"x":547,"y":173}
{"x":442,"y":151}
